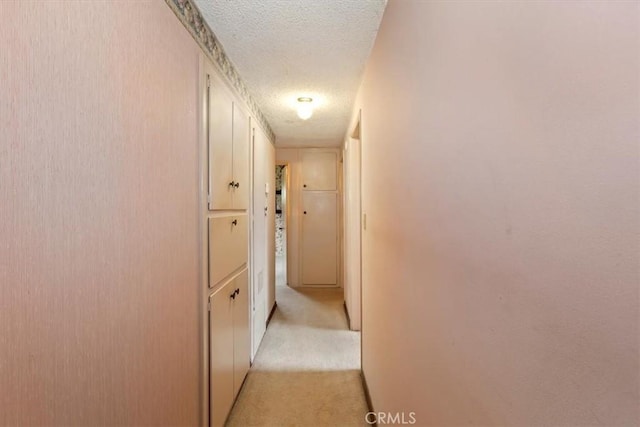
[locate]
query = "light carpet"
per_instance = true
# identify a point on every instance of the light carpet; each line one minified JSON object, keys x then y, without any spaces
{"x":307,"y":370}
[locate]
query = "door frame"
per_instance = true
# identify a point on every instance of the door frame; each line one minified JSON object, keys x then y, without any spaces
{"x":339,"y":214}
{"x":204,"y":67}
{"x":287,"y":214}
{"x":353,"y":172}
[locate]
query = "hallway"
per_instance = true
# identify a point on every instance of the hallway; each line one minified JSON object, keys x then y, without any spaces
{"x":307,"y":370}
{"x":455,"y":187}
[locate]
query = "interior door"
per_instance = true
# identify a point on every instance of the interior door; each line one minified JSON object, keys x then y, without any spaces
{"x":241,"y":136}
{"x":319,"y":238}
{"x":220,"y":147}
{"x":221,"y":360}
{"x":258,"y":287}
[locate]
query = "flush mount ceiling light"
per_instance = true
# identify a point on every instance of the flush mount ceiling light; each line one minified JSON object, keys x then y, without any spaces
{"x":305,"y":107}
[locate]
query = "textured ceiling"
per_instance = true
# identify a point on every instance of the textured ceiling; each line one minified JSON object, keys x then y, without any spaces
{"x":284,"y":49}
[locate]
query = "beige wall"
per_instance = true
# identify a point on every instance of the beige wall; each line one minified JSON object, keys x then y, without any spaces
{"x":500,"y":183}
{"x":98,"y":215}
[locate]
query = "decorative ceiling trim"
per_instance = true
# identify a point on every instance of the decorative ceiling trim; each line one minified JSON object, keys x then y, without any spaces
{"x":193,"y":21}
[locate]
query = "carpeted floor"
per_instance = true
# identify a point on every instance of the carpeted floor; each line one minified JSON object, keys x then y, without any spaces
{"x":307,"y":370}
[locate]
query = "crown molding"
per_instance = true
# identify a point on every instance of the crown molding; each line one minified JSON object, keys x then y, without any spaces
{"x":192,"y":19}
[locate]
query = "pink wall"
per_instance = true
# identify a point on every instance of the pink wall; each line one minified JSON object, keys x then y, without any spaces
{"x":500,"y":183}
{"x":98,"y":215}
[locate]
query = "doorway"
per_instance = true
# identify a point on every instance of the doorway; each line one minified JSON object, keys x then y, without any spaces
{"x":281,"y":224}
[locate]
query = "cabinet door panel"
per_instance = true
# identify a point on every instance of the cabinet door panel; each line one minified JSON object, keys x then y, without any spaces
{"x":221,"y":357}
{"x":241,"y":137}
{"x":241,"y":336}
{"x":319,"y":170}
{"x":228,"y":246}
{"x":220,"y":148}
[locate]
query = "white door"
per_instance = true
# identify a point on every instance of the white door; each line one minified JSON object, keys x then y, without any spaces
{"x":319,"y":238}
{"x":259,"y":243}
{"x":271,"y":228}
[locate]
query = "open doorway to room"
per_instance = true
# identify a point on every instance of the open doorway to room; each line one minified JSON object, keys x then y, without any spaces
{"x":281,"y":224}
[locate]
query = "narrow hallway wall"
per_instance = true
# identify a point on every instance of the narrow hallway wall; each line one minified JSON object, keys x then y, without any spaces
{"x":99,"y":321}
{"x":500,"y":184}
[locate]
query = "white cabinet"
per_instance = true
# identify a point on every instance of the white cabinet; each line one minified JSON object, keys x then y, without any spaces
{"x":229,"y":341}
{"x":228,"y":135}
{"x":227,"y":128}
{"x":319,"y":170}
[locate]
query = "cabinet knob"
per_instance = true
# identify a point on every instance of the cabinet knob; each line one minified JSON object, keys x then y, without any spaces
{"x":305,"y":185}
{"x":234,"y":222}
{"x":305,"y":212}
{"x":233,"y":295}
{"x":237,"y":291}
{"x":236,"y":185}
{"x":232,"y":184}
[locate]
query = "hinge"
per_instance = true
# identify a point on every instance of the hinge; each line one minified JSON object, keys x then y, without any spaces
{"x":209,"y":198}
{"x":209,"y":305}
{"x":208,"y":81}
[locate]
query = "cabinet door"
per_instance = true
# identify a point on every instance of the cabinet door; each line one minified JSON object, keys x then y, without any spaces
{"x":220,"y":148}
{"x":241,"y":335}
{"x":241,"y":137}
{"x":319,"y":170}
{"x":228,"y":246}
{"x":221,"y":359}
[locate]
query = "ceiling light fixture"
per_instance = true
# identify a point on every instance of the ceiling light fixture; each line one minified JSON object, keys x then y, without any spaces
{"x":305,"y":107}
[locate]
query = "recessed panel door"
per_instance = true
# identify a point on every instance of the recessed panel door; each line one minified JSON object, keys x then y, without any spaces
{"x":319,"y":238}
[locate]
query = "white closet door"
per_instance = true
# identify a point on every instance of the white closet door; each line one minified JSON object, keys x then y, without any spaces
{"x":259,"y":270}
{"x":319,"y":238}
